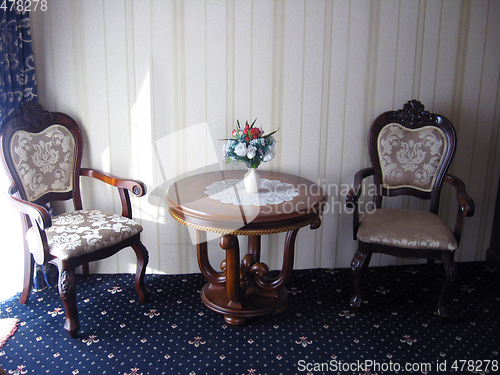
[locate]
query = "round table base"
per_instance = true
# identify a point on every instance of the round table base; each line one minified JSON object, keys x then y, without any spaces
{"x":256,"y":303}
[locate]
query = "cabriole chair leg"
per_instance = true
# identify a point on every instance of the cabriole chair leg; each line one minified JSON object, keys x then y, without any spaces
{"x":359,"y":264}
{"x":142,"y":262}
{"x":451,"y":275}
{"x":67,"y":291}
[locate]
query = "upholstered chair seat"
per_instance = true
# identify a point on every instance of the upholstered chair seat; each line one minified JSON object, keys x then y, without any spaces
{"x":391,"y":227}
{"x":82,"y":232}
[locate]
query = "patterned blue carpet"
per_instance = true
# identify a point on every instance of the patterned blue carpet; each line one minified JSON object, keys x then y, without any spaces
{"x":395,"y":332}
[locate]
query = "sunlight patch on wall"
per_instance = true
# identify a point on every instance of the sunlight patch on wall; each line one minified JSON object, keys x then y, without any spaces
{"x":198,"y":144}
{"x":199,"y":147}
{"x":141,"y":133}
{"x":106,"y":159}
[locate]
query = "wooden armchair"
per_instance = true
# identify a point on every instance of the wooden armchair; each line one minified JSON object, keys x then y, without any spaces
{"x":42,"y":153}
{"x":410,"y":152}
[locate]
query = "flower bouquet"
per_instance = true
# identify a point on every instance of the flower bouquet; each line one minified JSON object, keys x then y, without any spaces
{"x":250,"y":145}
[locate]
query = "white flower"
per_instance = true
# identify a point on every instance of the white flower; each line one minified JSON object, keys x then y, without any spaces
{"x":240,"y":149}
{"x":251,"y":151}
{"x":269,"y":155}
{"x":256,"y":141}
{"x":227,"y":146}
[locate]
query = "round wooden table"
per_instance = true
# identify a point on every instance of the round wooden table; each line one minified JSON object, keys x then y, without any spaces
{"x":244,"y":289}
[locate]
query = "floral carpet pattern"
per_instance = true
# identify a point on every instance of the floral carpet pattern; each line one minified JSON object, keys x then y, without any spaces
{"x":396,"y":330}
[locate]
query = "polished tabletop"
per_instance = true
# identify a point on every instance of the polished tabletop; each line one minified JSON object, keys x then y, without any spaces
{"x":189,"y":204}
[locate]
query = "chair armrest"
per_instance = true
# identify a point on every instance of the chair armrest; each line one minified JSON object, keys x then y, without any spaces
{"x":465,"y":202}
{"x":35,"y":239}
{"x":135,"y":186}
{"x":123,"y":185}
{"x":355,"y":192}
{"x":353,"y":197}
{"x":33,"y":210}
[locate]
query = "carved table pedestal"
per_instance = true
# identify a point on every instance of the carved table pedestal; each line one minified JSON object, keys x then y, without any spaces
{"x":244,"y":288}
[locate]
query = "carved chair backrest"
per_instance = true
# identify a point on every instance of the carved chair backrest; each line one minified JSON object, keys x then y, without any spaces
{"x":410,"y":151}
{"x":42,"y":152}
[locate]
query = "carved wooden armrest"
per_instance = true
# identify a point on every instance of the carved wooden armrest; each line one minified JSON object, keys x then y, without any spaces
{"x":354,"y":194}
{"x":39,"y":215}
{"x":123,"y":185}
{"x":465,"y":202}
{"x":136,"y":187}
{"x":34,"y":211}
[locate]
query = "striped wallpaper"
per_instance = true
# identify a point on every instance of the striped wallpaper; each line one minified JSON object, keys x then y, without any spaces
{"x":156,"y":84}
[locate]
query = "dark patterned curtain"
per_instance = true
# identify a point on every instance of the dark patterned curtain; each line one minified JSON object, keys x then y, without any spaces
{"x":18,"y":86}
{"x":17,"y":66}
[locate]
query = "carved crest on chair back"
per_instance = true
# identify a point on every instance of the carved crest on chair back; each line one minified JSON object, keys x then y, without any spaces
{"x":34,"y":116}
{"x":414,"y":113}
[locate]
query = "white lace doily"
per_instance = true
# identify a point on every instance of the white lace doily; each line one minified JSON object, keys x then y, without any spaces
{"x":233,"y":191}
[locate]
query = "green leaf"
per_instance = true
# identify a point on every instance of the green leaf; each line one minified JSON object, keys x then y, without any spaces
{"x":268,"y":135}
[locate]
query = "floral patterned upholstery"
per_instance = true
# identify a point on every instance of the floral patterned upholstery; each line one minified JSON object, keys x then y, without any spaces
{"x":84,"y":231}
{"x":43,"y":152}
{"x":410,"y":158}
{"x":390,"y":227}
{"x":44,"y":161}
